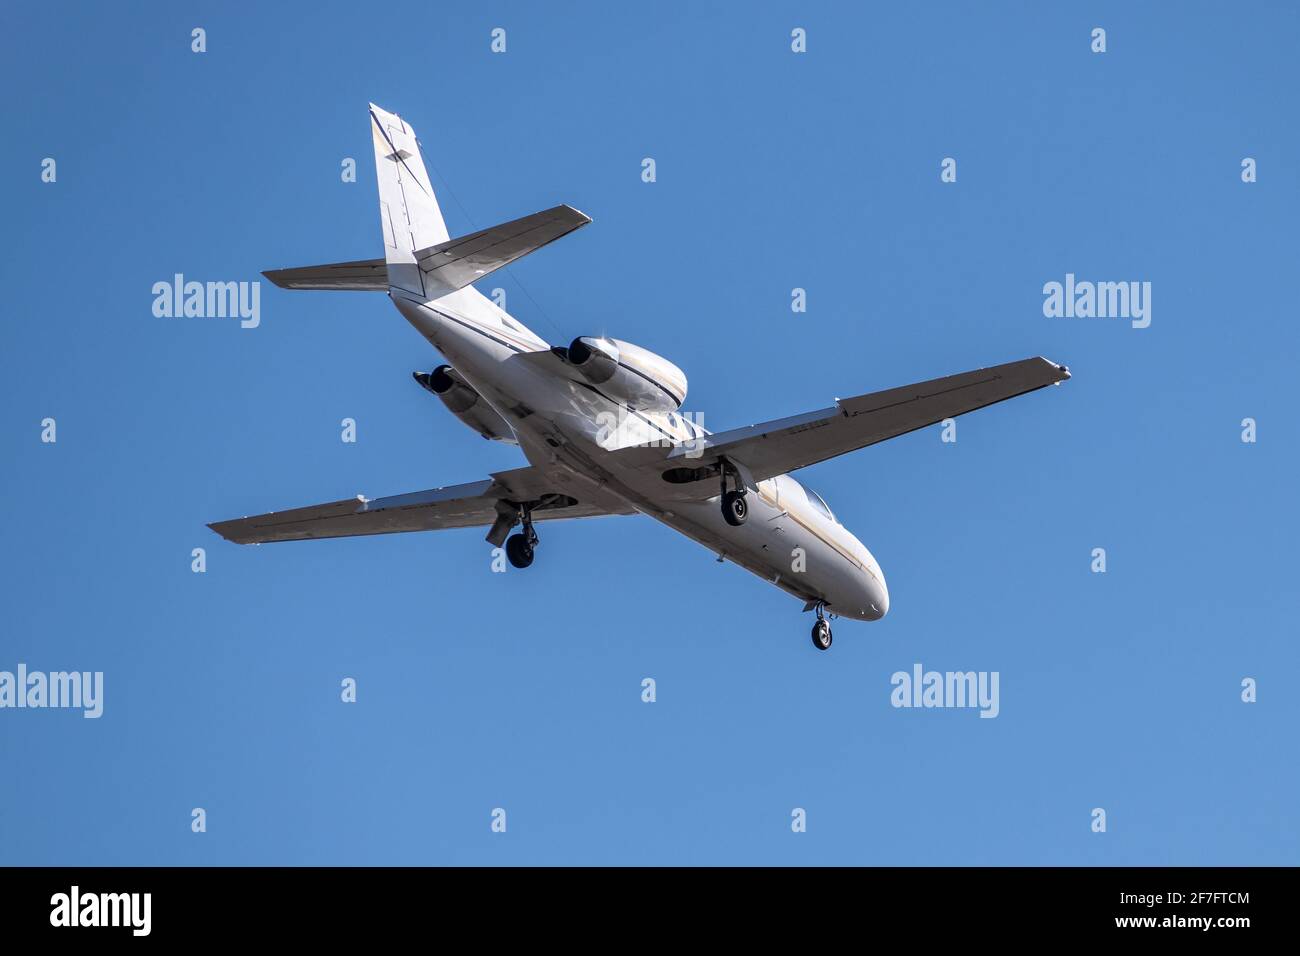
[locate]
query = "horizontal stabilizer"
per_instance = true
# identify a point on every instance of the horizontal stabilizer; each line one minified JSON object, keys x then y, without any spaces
{"x":454,"y":264}
{"x":448,"y":266}
{"x":364,"y":275}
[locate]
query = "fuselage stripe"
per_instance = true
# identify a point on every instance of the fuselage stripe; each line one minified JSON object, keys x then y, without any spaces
{"x":676,"y":401}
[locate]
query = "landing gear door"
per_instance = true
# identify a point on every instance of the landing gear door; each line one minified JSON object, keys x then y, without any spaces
{"x":741,"y":471}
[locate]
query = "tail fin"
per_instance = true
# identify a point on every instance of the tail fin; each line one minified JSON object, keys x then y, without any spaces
{"x":407,"y":207}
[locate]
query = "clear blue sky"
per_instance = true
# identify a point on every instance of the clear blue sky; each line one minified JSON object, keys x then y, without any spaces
{"x":522,"y":690}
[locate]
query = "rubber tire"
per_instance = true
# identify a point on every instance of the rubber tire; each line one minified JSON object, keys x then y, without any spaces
{"x":821,"y":636}
{"x":735,"y":509}
{"x":519,"y":551}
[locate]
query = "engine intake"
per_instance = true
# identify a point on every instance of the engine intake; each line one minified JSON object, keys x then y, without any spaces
{"x":597,"y":359}
{"x":440,"y":380}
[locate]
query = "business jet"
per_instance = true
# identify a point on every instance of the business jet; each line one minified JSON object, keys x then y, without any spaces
{"x":600,"y":420}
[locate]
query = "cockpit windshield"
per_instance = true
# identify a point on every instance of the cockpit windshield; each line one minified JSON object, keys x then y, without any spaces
{"x":818,"y":502}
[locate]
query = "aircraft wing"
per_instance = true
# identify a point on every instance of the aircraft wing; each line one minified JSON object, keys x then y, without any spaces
{"x":457,"y":506}
{"x":776,"y":447}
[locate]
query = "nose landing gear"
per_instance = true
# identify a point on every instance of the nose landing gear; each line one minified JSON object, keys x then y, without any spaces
{"x":821,"y":630}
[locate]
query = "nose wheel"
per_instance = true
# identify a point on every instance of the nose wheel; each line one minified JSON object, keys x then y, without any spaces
{"x":821,"y":631}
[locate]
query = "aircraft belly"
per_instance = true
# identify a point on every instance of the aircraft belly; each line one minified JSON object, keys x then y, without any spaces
{"x":768,"y":546}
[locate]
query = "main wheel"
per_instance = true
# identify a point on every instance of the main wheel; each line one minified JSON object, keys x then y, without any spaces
{"x":519,"y":550}
{"x":821,"y":635}
{"x":734,"y":508}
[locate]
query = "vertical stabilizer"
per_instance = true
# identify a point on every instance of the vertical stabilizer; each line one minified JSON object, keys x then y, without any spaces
{"x":408,"y":210}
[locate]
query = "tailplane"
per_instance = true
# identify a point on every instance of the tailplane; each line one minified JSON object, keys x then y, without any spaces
{"x":420,"y":257}
{"x":366,"y":275}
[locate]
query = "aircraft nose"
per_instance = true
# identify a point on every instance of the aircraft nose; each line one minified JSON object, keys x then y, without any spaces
{"x":875,"y":596}
{"x":884,"y":599}
{"x":879,"y":592}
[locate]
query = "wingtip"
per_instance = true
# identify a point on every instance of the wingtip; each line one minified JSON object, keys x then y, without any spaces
{"x":1062,"y":371}
{"x":577,"y":212}
{"x":220,"y":528}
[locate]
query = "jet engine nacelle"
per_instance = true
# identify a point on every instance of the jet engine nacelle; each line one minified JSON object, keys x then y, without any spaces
{"x":628,"y":373}
{"x":465,"y":403}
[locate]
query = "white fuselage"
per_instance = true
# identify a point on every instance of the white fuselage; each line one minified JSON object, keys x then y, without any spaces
{"x":563,"y":427}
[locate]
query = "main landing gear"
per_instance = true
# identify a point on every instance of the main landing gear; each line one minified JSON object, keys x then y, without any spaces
{"x":520,"y":547}
{"x":821,"y":631}
{"x":735,"y":509}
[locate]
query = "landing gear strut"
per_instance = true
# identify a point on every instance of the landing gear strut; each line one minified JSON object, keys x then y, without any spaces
{"x":735,"y":509}
{"x":821,"y":631}
{"x":520,"y":547}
